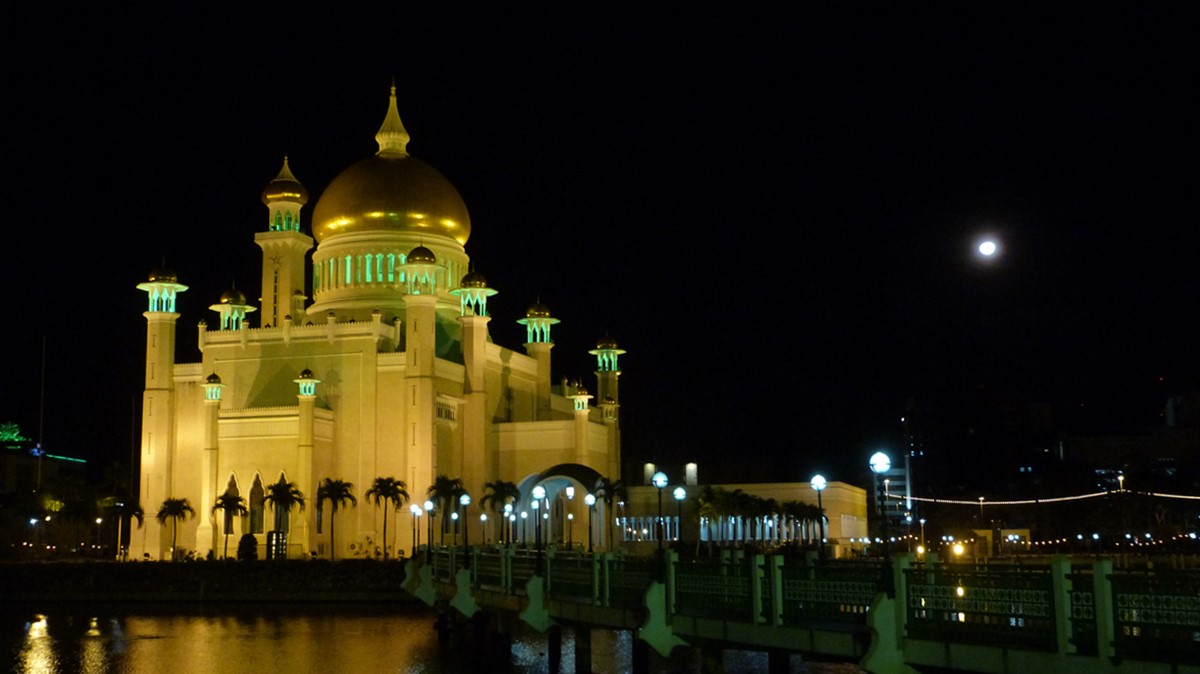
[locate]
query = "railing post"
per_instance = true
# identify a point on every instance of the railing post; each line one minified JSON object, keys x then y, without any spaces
{"x":606,"y":561}
{"x":1102,"y":595}
{"x":903,"y":562}
{"x":756,"y":579}
{"x":672,"y":557}
{"x":776,"y":590}
{"x":1060,"y":570}
{"x":596,"y":578}
{"x":506,"y":571}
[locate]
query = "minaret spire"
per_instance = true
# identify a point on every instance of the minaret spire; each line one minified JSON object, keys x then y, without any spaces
{"x":392,"y":137}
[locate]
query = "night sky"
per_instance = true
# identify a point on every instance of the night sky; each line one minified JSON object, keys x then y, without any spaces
{"x":774,"y":215}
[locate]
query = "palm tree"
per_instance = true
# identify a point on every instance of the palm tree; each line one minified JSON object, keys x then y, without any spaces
{"x":174,"y":509}
{"x":387,"y":491}
{"x":229,"y":504}
{"x":500,"y":493}
{"x":444,"y":492}
{"x":126,"y":513}
{"x":338,"y":493}
{"x":610,"y":491}
{"x":283,"y":496}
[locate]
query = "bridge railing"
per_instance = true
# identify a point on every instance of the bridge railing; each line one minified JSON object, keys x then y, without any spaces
{"x":1086,"y":610}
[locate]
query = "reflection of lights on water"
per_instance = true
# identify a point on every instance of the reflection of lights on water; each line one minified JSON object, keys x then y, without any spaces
{"x":37,"y":653}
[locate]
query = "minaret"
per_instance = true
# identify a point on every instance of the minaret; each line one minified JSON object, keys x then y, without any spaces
{"x":232,"y":309}
{"x":284,"y":248}
{"x":537,"y":324}
{"x":158,"y":408}
{"x":207,"y":532}
{"x":420,"y":340}
{"x":479,"y":464}
{"x":306,"y":399}
{"x":607,"y":374}
{"x":582,"y":457}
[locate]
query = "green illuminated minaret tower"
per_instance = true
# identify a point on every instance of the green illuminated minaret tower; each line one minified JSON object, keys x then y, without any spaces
{"x":284,"y":248}
{"x":538,"y":344}
{"x":158,"y":408}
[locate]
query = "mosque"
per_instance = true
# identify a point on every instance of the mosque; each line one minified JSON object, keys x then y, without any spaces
{"x":387,"y":369}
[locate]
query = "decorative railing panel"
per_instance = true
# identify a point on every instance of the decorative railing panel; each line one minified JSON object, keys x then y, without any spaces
{"x":1014,"y":608}
{"x":1083,"y":612}
{"x":571,"y":577}
{"x":628,"y":579}
{"x":714,"y":590}
{"x":827,"y":593}
{"x":1157,"y":615}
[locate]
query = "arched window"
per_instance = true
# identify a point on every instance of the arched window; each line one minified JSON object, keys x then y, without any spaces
{"x":256,"y":506}
{"x":278,"y":221}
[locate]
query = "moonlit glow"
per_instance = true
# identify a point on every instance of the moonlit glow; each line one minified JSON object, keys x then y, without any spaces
{"x":988,"y":248}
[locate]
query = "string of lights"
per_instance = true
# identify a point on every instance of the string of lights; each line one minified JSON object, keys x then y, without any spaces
{"x":982,"y":502}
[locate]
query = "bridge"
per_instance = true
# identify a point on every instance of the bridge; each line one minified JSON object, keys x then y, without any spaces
{"x":1063,"y":616}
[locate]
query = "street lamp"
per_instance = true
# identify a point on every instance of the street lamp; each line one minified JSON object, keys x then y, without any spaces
{"x":590,"y":501}
{"x":454,"y":527}
{"x":464,"y":500}
{"x":98,"y":545}
{"x":483,"y":526}
{"x":659,"y":480}
{"x":880,"y":464}
{"x":570,"y":530}
{"x":539,"y":493}
{"x":416,"y":526}
{"x":680,"y":494}
{"x":818,"y":485}
{"x":429,"y":538}
{"x":506,"y":525}
{"x":922,"y":531}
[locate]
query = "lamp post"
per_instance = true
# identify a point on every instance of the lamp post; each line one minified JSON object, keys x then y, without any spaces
{"x":454,"y":530}
{"x":570,"y":530}
{"x":415,"y":510}
{"x":922,"y":531}
{"x":464,"y":500}
{"x":429,"y":539}
{"x":659,"y":480}
{"x":818,"y":485}
{"x":680,"y":495}
{"x":539,"y":493}
{"x":483,"y":526}
{"x":506,"y":524}
{"x":590,"y":501}
{"x":524,"y":527}
{"x":880,"y":464}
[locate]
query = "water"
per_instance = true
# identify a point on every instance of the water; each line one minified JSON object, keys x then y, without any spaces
{"x":281,"y":639}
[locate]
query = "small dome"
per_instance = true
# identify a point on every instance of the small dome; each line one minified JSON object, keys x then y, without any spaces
{"x":163,"y":275}
{"x":606,"y":343}
{"x":609,"y":400}
{"x":285,"y":187}
{"x":421,"y":255}
{"x":538,"y":310}
{"x":473,"y":279}
{"x":233,"y":296}
{"x":213,"y":379}
{"x":306,"y":374}
{"x":581,"y":391}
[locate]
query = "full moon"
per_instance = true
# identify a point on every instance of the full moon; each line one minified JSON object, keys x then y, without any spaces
{"x":987,"y":248}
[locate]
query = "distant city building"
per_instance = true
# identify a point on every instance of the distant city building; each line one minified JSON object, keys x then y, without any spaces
{"x":389,"y":370}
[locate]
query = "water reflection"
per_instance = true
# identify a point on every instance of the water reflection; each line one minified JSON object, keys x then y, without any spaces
{"x":289,"y":639}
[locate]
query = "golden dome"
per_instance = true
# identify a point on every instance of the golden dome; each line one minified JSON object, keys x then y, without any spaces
{"x":421,"y":255}
{"x":213,"y":379}
{"x":162,"y":275}
{"x":391,"y":192}
{"x":233,"y":296}
{"x":538,"y":310}
{"x":606,"y":343}
{"x":285,"y":187}
{"x":473,"y":279}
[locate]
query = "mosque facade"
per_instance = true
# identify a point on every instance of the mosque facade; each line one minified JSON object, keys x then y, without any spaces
{"x":374,"y":359}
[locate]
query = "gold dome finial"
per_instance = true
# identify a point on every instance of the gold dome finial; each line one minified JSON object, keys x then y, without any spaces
{"x":392,"y":137}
